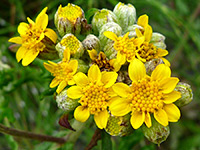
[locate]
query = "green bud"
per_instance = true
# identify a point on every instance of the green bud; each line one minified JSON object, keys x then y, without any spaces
{"x":91,"y":42}
{"x":65,"y":103}
{"x":70,"y":42}
{"x":131,"y":30}
{"x":186,"y":94}
{"x":68,"y":19}
{"x":119,"y":126}
{"x":102,"y":17}
{"x":82,"y":66}
{"x":109,"y":50}
{"x":157,"y":133}
{"x":126,"y":14}
{"x":158,"y":40}
{"x":152,"y":64}
{"x":111,"y":26}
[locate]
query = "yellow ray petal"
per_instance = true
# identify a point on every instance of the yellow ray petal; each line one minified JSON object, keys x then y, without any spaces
{"x":53,"y":63}
{"x":49,"y":67}
{"x":54,"y":83}
{"x":30,"y":21}
{"x":136,"y":70}
{"x":22,"y":28}
{"x":110,"y":35}
{"x":71,"y":82}
{"x":139,"y":41}
{"x":101,"y":119}
{"x":115,"y":64}
{"x":148,"y":120}
{"x":162,"y":52}
{"x":51,"y":34}
{"x":138,"y":33}
{"x":143,"y":21}
{"x":109,"y":78}
{"x":121,"y":58}
{"x":161,"y":116}
{"x":161,"y":72}
{"x":66,"y":55}
{"x":173,"y":112}
{"x":137,"y":119}
{"x":121,"y":89}
{"x":17,"y":40}
{"x":81,"y":79}
{"x":61,"y":86}
{"x":74,"y":65}
{"x":148,"y":33}
{"x":168,"y":85}
{"x":75,"y":92}
{"x":94,"y":73}
{"x":81,"y":113}
{"x":171,"y":97}
{"x":166,"y":62}
{"x":21,"y":53}
{"x":93,"y":54}
{"x":29,"y":56}
{"x":42,"y":21}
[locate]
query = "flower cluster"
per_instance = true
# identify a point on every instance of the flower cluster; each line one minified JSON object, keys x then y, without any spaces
{"x":117,"y":74}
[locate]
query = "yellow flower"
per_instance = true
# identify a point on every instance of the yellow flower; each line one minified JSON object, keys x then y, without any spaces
{"x":63,"y":72}
{"x":147,"y":51}
{"x":31,"y":36}
{"x":102,"y":61}
{"x":147,"y":95}
{"x":126,"y":47}
{"x":95,"y":93}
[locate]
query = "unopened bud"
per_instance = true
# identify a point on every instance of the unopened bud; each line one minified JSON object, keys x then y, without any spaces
{"x":119,"y":126}
{"x":152,"y":64}
{"x":186,"y":94}
{"x":65,"y":103}
{"x":91,"y":42}
{"x":102,"y":17}
{"x":158,"y":40}
{"x":157,"y":133}
{"x":82,"y":66}
{"x":126,"y":14}
{"x":109,"y":50}
{"x":68,"y":19}
{"x":70,"y":42}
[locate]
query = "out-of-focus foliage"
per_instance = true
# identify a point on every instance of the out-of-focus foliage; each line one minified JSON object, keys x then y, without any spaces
{"x":27,"y":103}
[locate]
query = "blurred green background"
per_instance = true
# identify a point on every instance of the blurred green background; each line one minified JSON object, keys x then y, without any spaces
{"x":27,"y":103}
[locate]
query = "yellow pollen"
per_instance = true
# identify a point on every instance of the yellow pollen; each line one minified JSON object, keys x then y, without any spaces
{"x":145,"y":96}
{"x":95,"y":98}
{"x":71,"y":43}
{"x":71,"y":12}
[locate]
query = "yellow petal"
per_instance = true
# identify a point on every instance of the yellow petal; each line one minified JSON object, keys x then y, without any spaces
{"x":101,"y":119}
{"x":20,"y":53}
{"x":53,"y":63}
{"x":110,"y":35}
{"x":49,"y":67}
{"x":116,"y":65}
{"x":161,"y":116}
{"x":75,"y":92}
{"x":137,"y":119}
{"x":148,"y":33}
{"x":173,"y":112}
{"x":162,"y":52}
{"x":81,"y":113}
{"x":81,"y":79}
{"x":136,"y":70}
{"x":109,"y":78}
{"x":29,"y":56}
{"x":54,"y":83}
{"x":148,"y":120}
{"x":166,"y":62}
{"x":61,"y":86}
{"x":143,"y":21}
{"x":139,"y":41}
{"x":73,"y":65}
{"x":42,"y":21}
{"x":140,"y":58}
{"x":138,"y":33}
{"x":66,"y":55}
{"x":121,"y":58}
{"x":171,"y":97}
{"x":22,"y":28}
{"x":30,"y":21}
{"x":121,"y":89}
{"x":111,"y":92}
{"x":119,"y":106}
{"x":51,"y":34}
{"x":168,"y":85}
{"x":17,"y":40}
{"x":94,"y":73}
{"x":161,"y":72}
{"x":93,"y":54}
{"x":71,"y":82}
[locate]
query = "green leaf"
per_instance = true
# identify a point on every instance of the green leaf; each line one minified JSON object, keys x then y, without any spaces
{"x":90,"y":13}
{"x":106,"y":141}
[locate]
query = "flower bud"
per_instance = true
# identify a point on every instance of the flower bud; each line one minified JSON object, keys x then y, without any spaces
{"x":131,"y":30}
{"x":119,"y":126}
{"x":158,"y":40}
{"x":152,"y":64}
{"x":111,"y":26}
{"x":70,"y":42}
{"x":186,"y":94}
{"x":91,"y":42}
{"x":68,"y":19}
{"x":157,"y":133}
{"x":82,"y":66}
{"x":126,"y":14}
{"x":65,"y":103}
{"x":109,"y":50}
{"x":102,"y":17}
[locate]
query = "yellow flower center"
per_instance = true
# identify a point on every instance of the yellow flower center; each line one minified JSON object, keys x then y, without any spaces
{"x":71,"y":12}
{"x":102,"y":14}
{"x":63,"y":72}
{"x":95,"y":98}
{"x":147,"y":51}
{"x":71,"y":43}
{"x":114,"y":125}
{"x":145,"y":96}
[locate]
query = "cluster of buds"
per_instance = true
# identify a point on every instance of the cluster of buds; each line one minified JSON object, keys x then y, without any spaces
{"x":117,"y":73}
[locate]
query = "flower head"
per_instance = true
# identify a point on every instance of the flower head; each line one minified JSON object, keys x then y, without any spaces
{"x":147,"y":95}
{"x":32,"y":37}
{"x":63,"y":72}
{"x":94,"y":92}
